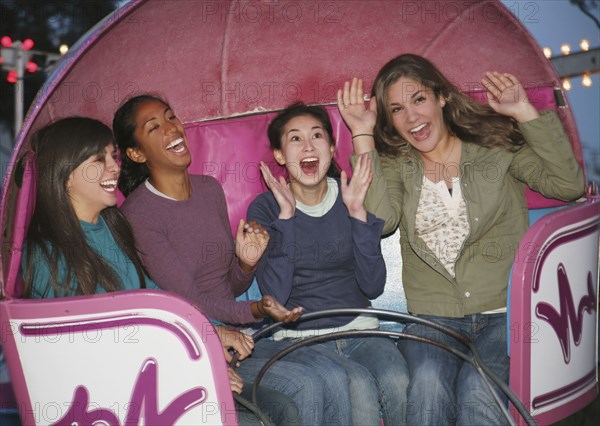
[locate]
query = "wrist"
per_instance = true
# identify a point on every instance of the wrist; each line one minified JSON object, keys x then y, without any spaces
{"x":257,"y":310}
{"x":528,"y":113}
{"x":359,"y":214}
{"x":246,"y":267}
{"x":285,"y":215}
{"x":363,"y":142}
{"x":362,"y":135}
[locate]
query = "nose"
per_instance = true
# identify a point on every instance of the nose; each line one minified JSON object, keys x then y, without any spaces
{"x":113,"y":165}
{"x":411,"y":114}
{"x":308,"y":144}
{"x":170,"y":127}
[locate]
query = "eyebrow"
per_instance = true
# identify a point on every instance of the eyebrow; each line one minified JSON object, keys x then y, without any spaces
{"x":297,"y":130}
{"x":418,"y":92}
{"x":154,"y":118}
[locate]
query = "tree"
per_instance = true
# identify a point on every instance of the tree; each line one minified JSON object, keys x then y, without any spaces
{"x":49,"y":23}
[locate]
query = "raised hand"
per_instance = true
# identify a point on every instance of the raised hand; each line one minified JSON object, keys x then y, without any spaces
{"x":269,"y":307}
{"x":250,"y":243}
{"x":354,"y":193}
{"x":281,"y":192}
{"x":359,"y":118}
{"x":236,"y":340}
{"x":507,"y":96}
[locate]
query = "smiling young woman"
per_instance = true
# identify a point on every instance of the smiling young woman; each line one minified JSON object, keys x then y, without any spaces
{"x":336,"y":261}
{"x":430,"y":145}
{"x":78,"y":242}
{"x":178,"y":219}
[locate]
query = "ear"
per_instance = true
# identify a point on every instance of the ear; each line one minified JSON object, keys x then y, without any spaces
{"x":135,"y":155}
{"x":69,"y":183}
{"x":279,"y":157}
{"x":332,"y":150}
{"x":442,"y":101}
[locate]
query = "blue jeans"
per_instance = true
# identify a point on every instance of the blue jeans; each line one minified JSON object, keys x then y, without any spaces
{"x":378,"y":378}
{"x":444,"y":389}
{"x":318,"y":386}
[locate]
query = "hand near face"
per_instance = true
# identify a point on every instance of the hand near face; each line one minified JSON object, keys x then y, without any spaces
{"x":236,"y":340}
{"x":354,"y":193}
{"x":507,"y":96}
{"x":359,"y":119}
{"x":268,"y":306}
{"x":250,"y":244}
{"x":281,"y":192}
{"x":235,"y":381}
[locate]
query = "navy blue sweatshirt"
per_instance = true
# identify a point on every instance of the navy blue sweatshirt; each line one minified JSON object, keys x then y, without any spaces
{"x":327,"y":262}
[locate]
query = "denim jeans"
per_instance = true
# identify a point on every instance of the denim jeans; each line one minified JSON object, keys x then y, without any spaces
{"x":444,"y":389}
{"x":318,"y":386}
{"x":378,"y":378}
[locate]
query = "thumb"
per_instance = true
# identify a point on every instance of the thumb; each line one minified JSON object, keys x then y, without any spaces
{"x":240,"y":228}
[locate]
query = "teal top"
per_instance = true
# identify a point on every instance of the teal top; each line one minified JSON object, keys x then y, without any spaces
{"x":100,"y":238}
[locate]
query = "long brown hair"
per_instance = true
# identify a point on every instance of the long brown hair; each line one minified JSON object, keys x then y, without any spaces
{"x":55,"y":230}
{"x":469,"y":120}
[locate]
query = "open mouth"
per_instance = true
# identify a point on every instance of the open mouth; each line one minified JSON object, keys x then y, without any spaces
{"x":177,"y":146}
{"x":109,"y":185}
{"x":309,"y":166}
{"x":420,"y":132}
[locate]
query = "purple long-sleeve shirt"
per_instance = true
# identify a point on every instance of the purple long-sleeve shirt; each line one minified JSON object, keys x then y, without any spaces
{"x":188,"y":249}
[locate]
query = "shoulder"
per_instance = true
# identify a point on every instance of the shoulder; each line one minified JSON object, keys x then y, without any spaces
{"x":206,"y":181}
{"x":263,"y":205}
{"x":206,"y":185}
{"x":475,"y":152}
{"x":264,"y":199}
{"x":137,"y":200}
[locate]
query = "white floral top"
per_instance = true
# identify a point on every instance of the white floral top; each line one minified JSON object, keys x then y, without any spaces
{"x":442,"y":220}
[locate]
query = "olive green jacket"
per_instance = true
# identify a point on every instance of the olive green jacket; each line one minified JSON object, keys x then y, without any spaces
{"x":493,"y":183}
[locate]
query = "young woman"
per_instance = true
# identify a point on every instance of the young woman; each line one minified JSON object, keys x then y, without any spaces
{"x":78,"y":242}
{"x":451,"y":173}
{"x":324,"y":252}
{"x":178,"y":219}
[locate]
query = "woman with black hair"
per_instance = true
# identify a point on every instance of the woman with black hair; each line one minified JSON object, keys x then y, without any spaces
{"x":324,"y":252}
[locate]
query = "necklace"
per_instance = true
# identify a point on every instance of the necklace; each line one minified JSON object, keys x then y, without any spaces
{"x":450,"y":153}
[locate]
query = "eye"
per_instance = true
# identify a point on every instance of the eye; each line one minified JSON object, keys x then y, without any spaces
{"x":317,"y":135}
{"x":396,"y":109}
{"x":420,"y":100}
{"x":295,"y":138}
{"x":171,"y":117}
{"x":153,"y":128}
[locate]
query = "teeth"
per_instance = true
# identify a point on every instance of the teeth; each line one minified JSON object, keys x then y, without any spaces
{"x":175,"y":143}
{"x":309,"y":160}
{"x":416,"y":129}
{"x":109,"y":185}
